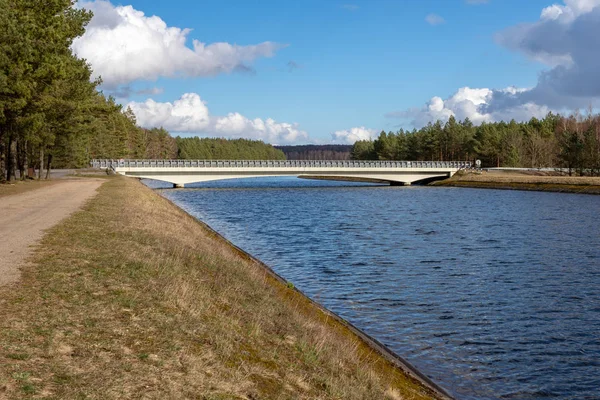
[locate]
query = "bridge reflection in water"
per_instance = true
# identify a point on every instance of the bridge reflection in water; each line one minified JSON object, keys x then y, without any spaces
{"x":183,"y":172}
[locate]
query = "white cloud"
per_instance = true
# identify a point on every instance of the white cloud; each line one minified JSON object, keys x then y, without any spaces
{"x":473,"y":104}
{"x":566,"y":38}
{"x":350,"y":136}
{"x":269,"y":130}
{"x":190,"y":114}
{"x":552,"y":12}
{"x":434,"y":19}
{"x":124,"y":45}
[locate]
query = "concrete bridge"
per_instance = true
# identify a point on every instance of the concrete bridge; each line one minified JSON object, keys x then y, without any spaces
{"x":183,"y":172}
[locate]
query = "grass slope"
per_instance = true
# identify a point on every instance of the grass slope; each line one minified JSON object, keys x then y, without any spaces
{"x":516,"y":181}
{"x":133,"y":298}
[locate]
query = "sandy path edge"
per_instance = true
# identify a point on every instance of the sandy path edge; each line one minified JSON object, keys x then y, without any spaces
{"x":24,"y":217}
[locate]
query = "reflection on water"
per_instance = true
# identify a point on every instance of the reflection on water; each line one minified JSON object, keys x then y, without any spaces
{"x":493,"y":294}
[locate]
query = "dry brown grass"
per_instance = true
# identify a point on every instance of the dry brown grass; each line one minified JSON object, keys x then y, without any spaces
{"x":133,"y":298}
{"x":7,"y":189}
{"x":520,"y":181}
{"x":508,"y":177}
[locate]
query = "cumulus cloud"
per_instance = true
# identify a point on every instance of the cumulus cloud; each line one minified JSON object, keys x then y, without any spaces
{"x":350,"y":136}
{"x":434,"y":19}
{"x":473,"y":104}
{"x":190,"y":114}
{"x":124,"y":45}
{"x":566,"y":38}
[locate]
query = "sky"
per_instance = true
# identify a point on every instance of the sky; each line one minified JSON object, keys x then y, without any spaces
{"x":327,"y":71}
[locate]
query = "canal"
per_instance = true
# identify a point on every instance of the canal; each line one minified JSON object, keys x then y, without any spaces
{"x":493,"y":294}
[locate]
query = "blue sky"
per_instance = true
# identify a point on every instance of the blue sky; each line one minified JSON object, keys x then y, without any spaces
{"x":341,"y":65}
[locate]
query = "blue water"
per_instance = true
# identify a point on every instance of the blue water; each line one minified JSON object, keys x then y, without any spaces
{"x":492,"y":294}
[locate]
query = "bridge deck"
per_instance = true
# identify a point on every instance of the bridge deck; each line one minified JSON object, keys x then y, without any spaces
{"x":276,"y":164}
{"x":181,"y":172}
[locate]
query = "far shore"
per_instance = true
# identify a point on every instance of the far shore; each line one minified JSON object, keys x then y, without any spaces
{"x":518,"y":180}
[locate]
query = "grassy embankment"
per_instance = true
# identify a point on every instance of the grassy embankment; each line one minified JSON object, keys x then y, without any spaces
{"x":133,"y":298}
{"x":522,"y":181}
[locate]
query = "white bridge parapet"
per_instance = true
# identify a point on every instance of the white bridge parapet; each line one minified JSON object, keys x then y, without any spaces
{"x":183,"y":172}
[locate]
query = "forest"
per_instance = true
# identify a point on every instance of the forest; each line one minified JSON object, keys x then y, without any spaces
{"x":53,"y":115}
{"x":317,"y":152}
{"x":222,"y":149}
{"x":555,"y":141}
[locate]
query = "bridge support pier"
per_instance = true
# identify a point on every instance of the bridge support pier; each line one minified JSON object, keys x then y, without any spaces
{"x":178,"y":186}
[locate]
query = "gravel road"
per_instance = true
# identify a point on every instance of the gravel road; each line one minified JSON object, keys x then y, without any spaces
{"x":24,"y":218}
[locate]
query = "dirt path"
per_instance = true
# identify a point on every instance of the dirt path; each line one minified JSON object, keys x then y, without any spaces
{"x":24,"y":218}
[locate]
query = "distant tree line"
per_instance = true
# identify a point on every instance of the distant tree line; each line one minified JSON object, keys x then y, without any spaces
{"x":568,"y":142}
{"x":317,"y":152}
{"x":195,"y":148}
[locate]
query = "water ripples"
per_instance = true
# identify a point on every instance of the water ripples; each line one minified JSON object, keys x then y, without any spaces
{"x":492,"y":294}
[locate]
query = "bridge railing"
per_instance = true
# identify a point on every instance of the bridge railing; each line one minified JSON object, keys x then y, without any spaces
{"x":113,"y":164}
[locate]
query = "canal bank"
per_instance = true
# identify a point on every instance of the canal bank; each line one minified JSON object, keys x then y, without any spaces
{"x":523,"y":181}
{"x":336,"y":322}
{"x":466,"y":297}
{"x":133,"y":297}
